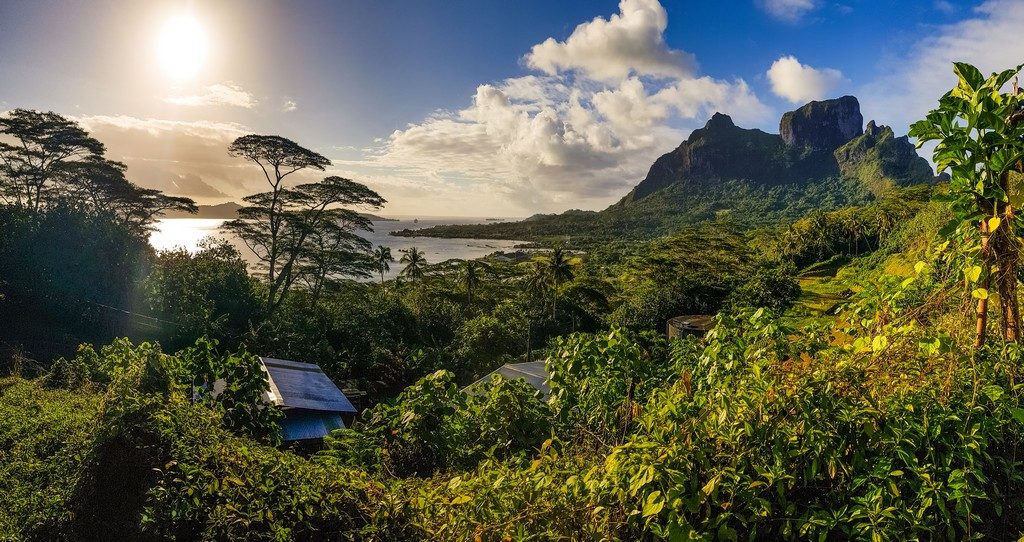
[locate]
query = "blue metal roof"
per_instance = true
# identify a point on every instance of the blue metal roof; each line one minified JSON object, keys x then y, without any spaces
{"x":303,"y":385}
{"x":533,"y":372}
{"x":309,"y":424}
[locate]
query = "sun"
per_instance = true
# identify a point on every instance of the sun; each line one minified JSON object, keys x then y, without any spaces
{"x":182,"y":47}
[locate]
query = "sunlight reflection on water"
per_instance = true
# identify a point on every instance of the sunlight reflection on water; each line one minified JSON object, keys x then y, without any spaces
{"x":188,"y":233}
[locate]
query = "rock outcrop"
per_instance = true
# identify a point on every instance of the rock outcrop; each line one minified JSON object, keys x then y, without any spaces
{"x":824,"y":125}
{"x":880,"y":160}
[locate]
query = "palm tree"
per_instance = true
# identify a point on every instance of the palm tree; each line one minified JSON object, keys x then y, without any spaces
{"x":471,"y":276}
{"x":414,"y":263}
{"x":382,"y":258}
{"x":536,"y":279}
{"x":559,"y":269}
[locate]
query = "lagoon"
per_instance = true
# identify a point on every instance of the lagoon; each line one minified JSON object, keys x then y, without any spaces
{"x":188,"y":233}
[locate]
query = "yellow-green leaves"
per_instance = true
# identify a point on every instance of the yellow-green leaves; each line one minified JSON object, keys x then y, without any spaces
{"x":972,"y":273}
{"x":980,"y":293}
{"x":653,"y":504}
{"x":993,"y":224}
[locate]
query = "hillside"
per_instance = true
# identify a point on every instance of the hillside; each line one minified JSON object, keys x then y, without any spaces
{"x":822,"y":158}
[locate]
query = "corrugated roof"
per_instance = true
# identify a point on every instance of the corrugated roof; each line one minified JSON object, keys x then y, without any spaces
{"x":308,"y":424}
{"x":533,"y":372}
{"x":303,"y":385}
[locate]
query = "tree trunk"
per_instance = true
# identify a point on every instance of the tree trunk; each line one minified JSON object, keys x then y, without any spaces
{"x":1007,"y":257}
{"x":982,"y":312}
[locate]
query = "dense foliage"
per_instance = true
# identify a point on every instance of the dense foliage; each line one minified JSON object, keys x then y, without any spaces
{"x":842,"y":393}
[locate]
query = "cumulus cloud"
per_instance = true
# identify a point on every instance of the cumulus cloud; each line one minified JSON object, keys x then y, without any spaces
{"x":289,"y":105}
{"x":788,"y":10}
{"x":800,"y":83}
{"x":563,"y":146}
{"x":579,"y":133}
{"x":628,"y":43}
{"x":912,"y":83}
{"x":218,"y":94}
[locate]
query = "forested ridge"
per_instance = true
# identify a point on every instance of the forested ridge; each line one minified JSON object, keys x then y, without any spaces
{"x":861,"y":381}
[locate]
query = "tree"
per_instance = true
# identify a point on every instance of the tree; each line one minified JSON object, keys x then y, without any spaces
{"x":559,"y":269}
{"x":304,"y":232}
{"x":415,"y":263}
{"x":45,"y":142}
{"x":383,"y":258}
{"x":471,"y":274}
{"x":981,"y":141}
{"x":277,"y":157}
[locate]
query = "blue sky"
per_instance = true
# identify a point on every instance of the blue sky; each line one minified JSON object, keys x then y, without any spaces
{"x":476,"y":108}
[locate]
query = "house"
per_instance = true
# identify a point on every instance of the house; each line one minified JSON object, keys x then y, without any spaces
{"x":533,"y":372}
{"x":694,"y":324}
{"x":313,"y":405}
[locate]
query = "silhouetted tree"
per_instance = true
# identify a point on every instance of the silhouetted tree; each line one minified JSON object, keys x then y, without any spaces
{"x":415,"y":263}
{"x":277,"y":157}
{"x":383,"y":258}
{"x":303,"y":233}
{"x":45,"y":142}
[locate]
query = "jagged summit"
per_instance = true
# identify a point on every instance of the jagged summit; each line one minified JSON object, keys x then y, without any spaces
{"x":823,"y":125}
{"x":819,"y":140}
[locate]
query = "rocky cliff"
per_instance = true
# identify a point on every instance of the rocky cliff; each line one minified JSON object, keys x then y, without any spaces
{"x":822,"y":139}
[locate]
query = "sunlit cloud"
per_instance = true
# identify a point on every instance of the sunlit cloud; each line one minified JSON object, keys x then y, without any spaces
{"x":213,"y":95}
{"x":800,"y":83}
{"x":180,"y":157}
{"x":630,"y":42}
{"x":289,"y":105}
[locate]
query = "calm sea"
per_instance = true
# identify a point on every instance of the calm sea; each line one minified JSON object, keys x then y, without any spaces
{"x":189,"y":232}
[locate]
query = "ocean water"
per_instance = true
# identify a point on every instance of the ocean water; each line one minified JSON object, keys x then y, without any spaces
{"x":188,"y":233}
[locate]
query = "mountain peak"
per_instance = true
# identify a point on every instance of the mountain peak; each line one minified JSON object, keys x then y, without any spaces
{"x":718,"y":121}
{"x":822,"y":125}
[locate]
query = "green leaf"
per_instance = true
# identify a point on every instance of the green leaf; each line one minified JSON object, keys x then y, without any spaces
{"x":461,"y":499}
{"x":653,"y":505}
{"x":980,"y":293}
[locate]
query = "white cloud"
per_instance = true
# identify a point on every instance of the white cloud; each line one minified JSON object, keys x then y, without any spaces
{"x":605,"y":104}
{"x":800,"y":83}
{"x":218,"y":94}
{"x":912,"y":83}
{"x":289,"y":105}
{"x":628,"y":43}
{"x":788,"y":10}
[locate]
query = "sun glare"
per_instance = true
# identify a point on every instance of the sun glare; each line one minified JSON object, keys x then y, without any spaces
{"x":182,"y":47}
